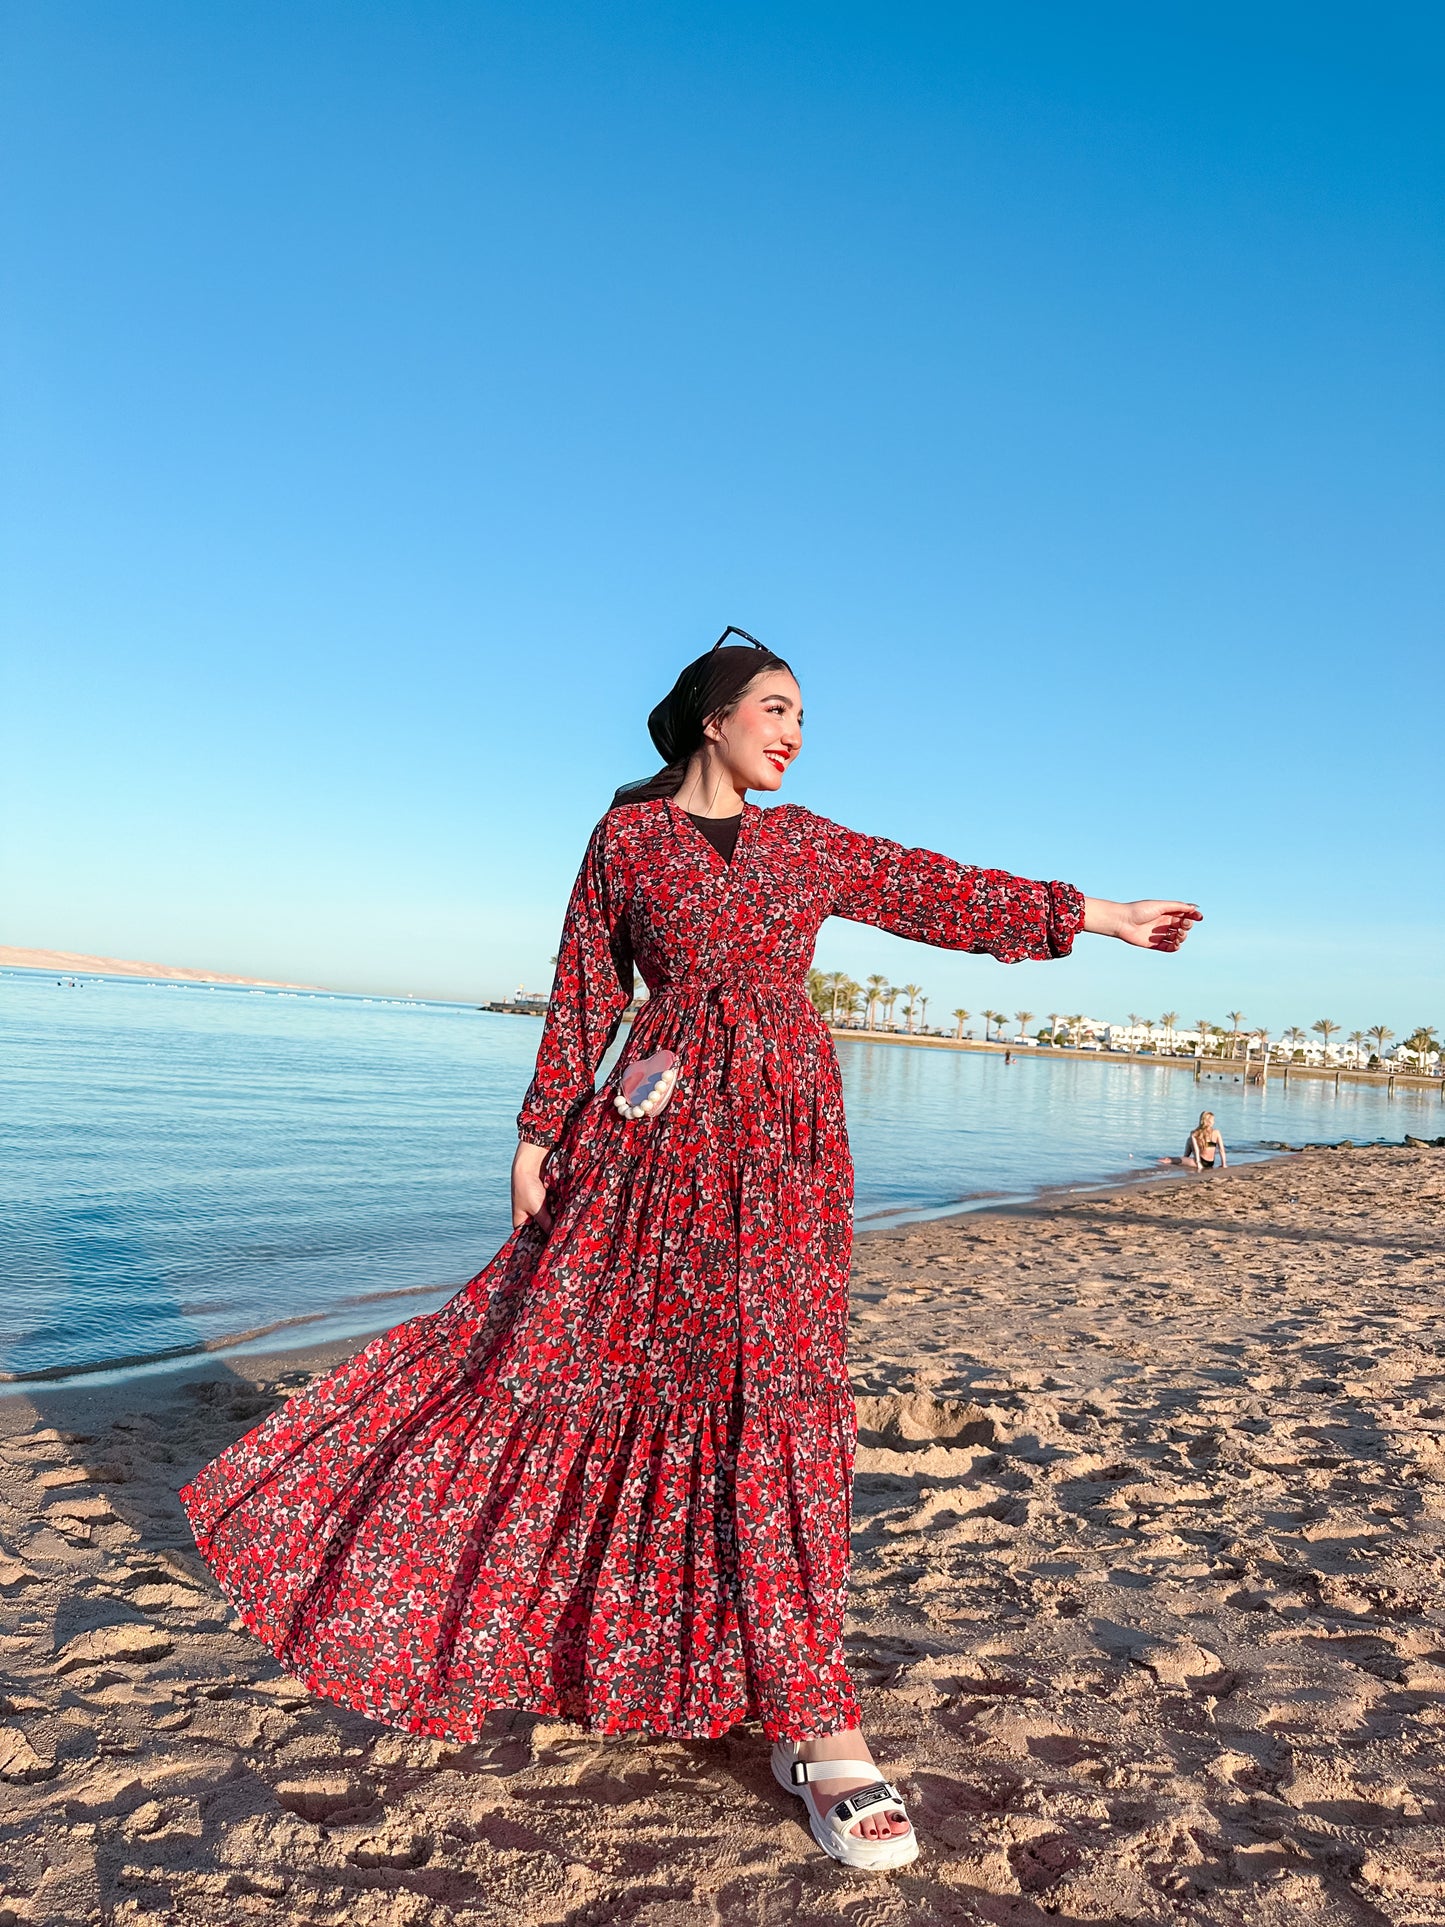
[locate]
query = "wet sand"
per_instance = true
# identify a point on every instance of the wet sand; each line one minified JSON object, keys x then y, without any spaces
{"x":1147,"y":1614}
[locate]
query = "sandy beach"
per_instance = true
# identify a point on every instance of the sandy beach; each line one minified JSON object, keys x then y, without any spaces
{"x":71,"y":963}
{"x":1147,"y":1614}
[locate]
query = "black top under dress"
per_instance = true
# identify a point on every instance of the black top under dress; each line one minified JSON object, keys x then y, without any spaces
{"x":720,"y":831}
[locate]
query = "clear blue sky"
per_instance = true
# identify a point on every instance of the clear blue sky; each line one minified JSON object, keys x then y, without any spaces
{"x":399,"y":394}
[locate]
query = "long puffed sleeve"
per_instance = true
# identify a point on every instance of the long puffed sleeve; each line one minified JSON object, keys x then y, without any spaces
{"x":590,"y":991}
{"x":956,"y":906}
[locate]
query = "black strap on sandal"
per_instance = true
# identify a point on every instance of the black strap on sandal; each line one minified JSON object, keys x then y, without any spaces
{"x":861,"y":1798}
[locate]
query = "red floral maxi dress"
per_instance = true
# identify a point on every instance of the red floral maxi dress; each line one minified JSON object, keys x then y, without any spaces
{"x":610,"y":1480}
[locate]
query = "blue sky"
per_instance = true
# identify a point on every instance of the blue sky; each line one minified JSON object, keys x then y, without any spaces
{"x":398,"y":395}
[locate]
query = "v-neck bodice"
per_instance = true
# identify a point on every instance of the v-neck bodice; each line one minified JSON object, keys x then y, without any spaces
{"x":687,"y":827}
{"x":733,"y":940}
{"x":720,"y":831}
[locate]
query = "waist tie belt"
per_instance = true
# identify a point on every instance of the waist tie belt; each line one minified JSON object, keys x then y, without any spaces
{"x":725,"y":993}
{"x":727,"y":996}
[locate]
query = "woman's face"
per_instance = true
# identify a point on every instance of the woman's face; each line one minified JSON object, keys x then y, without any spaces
{"x":763,"y":734}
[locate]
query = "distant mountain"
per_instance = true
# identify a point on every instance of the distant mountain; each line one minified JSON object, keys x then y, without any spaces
{"x":67,"y":963}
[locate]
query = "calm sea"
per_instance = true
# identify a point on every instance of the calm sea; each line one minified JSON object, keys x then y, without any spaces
{"x":183,"y":1166}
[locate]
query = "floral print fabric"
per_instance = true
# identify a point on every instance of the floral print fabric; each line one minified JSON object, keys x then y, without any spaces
{"x":610,"y":1480}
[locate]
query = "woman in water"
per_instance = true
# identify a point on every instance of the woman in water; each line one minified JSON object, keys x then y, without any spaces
{"x":610,"y":1480}
{"x":1204,"y":1141}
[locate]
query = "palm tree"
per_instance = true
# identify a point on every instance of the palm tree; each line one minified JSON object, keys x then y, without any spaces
{"x":1203,"y":1026}
{"x":818,"y":992}
{"x":875,"y":986}
{"x":1076,"y":1026}
{"x":1169,"y":1020}
{"x":1422,"y":1041}
{"x":834,"y":980}
{"x":1149,"y":1032}
{"x":1326,"y":1028}
{"x":910,"y":991}
{"x":1236,"y":1018}
{"x":1382,"y":1035}
{"x":960,"y":1018}
{"x":922,"y":1013}
{"x":888,"y":997}
{"x":1294,"y":1037}
{"x":1023,"y":1018}
{"x":1053,"y":1027}
{"x":1356,"y":1042}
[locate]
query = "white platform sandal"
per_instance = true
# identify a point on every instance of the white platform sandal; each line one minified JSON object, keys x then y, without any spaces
{"x":830,"y":1829}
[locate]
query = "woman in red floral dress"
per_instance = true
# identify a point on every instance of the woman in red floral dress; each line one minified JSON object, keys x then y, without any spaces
{"x":610,"y":1480}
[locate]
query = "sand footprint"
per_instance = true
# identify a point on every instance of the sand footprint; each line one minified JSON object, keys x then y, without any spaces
{"x":110,"y":1645}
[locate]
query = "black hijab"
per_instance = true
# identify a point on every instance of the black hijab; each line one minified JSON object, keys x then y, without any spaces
{"x":714,"y":682}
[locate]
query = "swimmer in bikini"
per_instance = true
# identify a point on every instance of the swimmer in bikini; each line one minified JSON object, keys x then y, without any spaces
{"x":1205,"y":1147}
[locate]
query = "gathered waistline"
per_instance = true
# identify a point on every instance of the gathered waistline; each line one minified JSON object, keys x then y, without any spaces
{"x":719,"y":986}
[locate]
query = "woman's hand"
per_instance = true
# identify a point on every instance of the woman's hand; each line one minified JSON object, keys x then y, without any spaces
{"x":529,"y":1194}
{"x":1152,"y":923}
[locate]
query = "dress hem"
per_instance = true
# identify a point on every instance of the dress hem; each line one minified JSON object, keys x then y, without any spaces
{"x":345,"y":1689}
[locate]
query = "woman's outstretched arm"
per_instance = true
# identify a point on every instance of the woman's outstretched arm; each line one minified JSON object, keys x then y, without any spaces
{"x":934,"y":899}
{"x":931,"y":898}
{"x":1153,"y":923}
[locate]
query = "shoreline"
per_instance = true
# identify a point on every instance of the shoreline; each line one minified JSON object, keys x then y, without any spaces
{"x":250,"y":1345}
{"x":1232,"y":1068}
{"x":1138,"y":1178}
{"x":1146,"y":1612}
{"x":898,"y":1222}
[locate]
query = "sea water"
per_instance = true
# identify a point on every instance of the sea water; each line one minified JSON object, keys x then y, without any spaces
{"x":183,"y":1166}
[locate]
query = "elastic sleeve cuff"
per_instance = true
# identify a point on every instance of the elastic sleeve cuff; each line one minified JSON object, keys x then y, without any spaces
{"x":534,"y":1134}
{"x":1066,"y":917}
